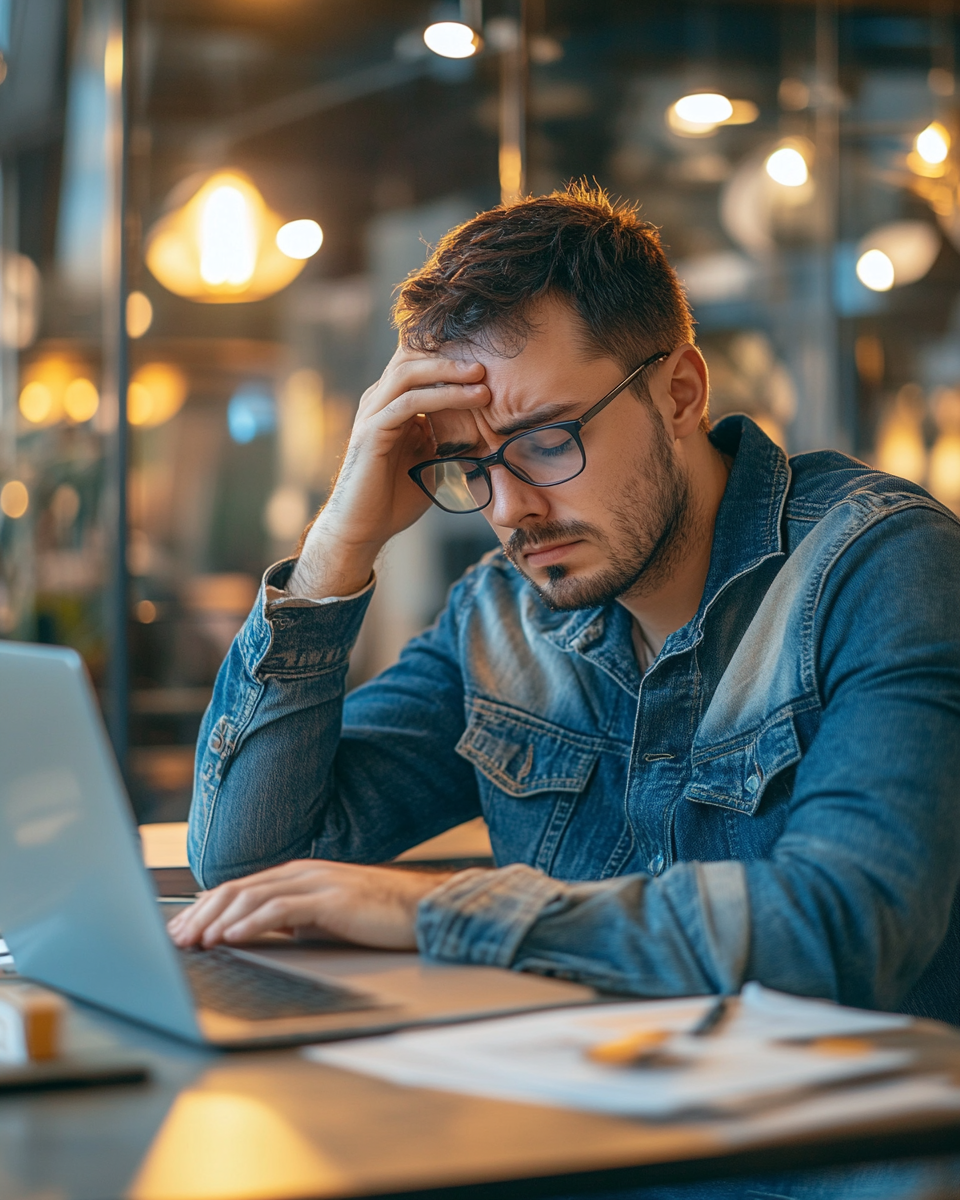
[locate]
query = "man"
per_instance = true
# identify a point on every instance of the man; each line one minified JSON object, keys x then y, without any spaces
{"x":707,"y":700}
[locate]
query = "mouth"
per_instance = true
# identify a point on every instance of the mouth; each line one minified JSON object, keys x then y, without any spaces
{"x":547,"y":556}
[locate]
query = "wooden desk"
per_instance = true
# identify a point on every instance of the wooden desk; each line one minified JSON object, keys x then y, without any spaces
{"x":270,"y":1125}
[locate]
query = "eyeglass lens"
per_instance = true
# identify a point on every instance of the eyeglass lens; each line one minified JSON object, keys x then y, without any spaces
{"x":457,"y":486}
{"x":542,"y":456}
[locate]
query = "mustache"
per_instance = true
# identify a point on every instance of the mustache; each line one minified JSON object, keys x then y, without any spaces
{"x":524,"y":539}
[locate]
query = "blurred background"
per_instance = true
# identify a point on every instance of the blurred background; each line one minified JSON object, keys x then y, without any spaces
{"x":206,"y":204}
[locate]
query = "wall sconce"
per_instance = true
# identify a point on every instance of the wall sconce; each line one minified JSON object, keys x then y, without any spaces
{"x":225,"y":246}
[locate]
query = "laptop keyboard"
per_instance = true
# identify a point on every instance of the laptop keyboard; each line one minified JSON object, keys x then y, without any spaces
{"x":238,"y":988}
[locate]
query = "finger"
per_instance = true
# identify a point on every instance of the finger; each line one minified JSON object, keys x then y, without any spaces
{"x":245,"y":902}
{"x":419,"y":374}
{"x":280,"y":912}
{"x":431,"y":369}
{"x":429,"y":400}
{"x":188,"y":926}
{"x":199,"y":915}
{"x":253,"y":895}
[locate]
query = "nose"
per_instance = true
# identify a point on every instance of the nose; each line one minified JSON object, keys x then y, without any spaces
{"x":515,"y":502}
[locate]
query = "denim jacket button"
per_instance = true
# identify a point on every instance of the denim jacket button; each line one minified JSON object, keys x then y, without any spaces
{"x":753,"y":782}
{"x":655,"y":865}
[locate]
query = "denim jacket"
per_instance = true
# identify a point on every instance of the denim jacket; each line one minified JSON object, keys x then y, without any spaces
{"x":776,"y":798}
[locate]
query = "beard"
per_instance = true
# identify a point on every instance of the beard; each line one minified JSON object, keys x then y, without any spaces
{"x":652,"y":523}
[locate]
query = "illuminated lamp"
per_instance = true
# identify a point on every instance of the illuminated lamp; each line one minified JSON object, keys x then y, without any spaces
{"x":221,"y":246}
{"x":788,"y":167}
{"x":452,"y":39}
{"x":931,"y":148}
{"x":156,"y":393}
{"x":896,"y":254}
{"x":701,"y":113}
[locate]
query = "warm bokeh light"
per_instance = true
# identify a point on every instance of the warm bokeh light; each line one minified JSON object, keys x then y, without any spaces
{"x":451,"y":39}
{"x":80,"y":400}
{"x":788,"y":167}
{"x":703,"y":108}
{"x":156,"y":393}
{"x":146,"y":612}
{"x":139,"y":314}
{"x":933,"y":144}
{"x":14,"y":499}
{"x":900,"y":448}
{"x":228,"y":237}
{"x":875,"y":271}
{"x":36,"y":402}
{"x":944,"y":475}
{"x":898,"y":253}
{"x":701,"y":113}
{"x":221,"y":245}
{"x":299,"y":239}
{"x":113,"y":62}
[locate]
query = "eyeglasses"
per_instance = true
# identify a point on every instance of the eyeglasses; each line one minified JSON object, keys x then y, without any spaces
{"x":542,"y":457}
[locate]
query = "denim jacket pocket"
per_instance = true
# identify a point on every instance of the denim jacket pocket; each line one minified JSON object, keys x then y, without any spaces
{"x":737,"y":772}
{"x":523,"y":755}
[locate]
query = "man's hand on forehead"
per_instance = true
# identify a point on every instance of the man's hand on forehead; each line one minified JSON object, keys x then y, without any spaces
{"x":455,"y":430}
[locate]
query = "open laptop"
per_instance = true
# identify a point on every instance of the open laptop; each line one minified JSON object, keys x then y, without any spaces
{"x":79,"y":914}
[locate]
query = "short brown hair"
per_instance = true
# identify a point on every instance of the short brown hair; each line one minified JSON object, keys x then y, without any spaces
{"x":479,"y":283}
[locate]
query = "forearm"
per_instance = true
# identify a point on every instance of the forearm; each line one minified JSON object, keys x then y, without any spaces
{"x":287,"y":768}
{"x":268,"y":739}
{"x":685,"y":933}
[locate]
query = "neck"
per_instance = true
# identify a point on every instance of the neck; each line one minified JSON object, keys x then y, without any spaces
{"x":675,"y":601}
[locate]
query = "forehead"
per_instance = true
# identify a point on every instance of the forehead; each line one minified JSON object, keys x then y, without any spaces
{"x":553,"y":366}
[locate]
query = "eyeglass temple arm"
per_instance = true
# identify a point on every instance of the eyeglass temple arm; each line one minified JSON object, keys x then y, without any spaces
{"x":622,"y":386}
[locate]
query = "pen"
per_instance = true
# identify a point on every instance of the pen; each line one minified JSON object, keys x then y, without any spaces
{"x":647,"y":1044}
{"x":712,"y":1017}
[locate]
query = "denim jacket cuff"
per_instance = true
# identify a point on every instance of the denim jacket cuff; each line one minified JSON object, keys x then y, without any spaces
{"x":293,"y":641}
{"x":482,"y":916}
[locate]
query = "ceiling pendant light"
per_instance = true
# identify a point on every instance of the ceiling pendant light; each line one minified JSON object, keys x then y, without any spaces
{"x":224,"y":245}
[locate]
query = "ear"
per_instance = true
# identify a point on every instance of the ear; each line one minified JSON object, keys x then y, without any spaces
{"x":684,"y":389}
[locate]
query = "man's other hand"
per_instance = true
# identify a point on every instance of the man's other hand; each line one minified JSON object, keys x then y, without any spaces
{"x":370,"y":906}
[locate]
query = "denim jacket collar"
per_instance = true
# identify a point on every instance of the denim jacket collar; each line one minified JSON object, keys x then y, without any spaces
{"x":748,"y":531}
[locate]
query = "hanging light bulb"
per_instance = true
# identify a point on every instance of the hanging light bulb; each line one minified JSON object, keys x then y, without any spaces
{"x":932,"y":144}
{"x":788,"y":167}
{"x":701,"y":113}
{"x":299,"y":239}
{"x":875,"y":271}
{"x":452,"y":39}
{"x":221,"y":246}
{"x":228,"y":237}
{"x":897,"y":253}
{"x":703,"y":108}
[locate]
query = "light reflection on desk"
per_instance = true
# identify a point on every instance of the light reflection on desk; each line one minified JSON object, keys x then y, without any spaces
{"x":217,"y":1142}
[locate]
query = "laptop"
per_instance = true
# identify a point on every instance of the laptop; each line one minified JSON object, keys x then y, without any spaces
{"x":79,"y":913}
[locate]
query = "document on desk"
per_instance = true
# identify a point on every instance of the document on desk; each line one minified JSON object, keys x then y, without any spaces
{"x":762,"y":1054}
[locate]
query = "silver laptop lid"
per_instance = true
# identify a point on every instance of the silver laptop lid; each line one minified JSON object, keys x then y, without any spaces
{"x":76,"y":905}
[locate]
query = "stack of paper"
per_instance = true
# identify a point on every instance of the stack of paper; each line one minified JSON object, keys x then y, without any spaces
{"x":542,"y":1057}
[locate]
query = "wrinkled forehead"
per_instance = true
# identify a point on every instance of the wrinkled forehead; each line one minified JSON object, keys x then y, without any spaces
{"x":526,"y":389}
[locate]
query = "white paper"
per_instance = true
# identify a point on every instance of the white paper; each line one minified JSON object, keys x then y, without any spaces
{"x":541,"y":1058}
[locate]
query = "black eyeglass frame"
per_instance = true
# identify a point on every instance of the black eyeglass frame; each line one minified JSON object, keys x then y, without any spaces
{"x":497,"y":458}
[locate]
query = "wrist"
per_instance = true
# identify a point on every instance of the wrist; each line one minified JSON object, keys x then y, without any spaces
{"x":329,"y":566}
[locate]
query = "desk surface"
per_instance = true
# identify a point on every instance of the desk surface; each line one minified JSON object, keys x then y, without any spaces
{"x":273,"y":1125}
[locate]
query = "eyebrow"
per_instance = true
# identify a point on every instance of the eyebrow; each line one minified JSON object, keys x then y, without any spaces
{"x":543,"y":416}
